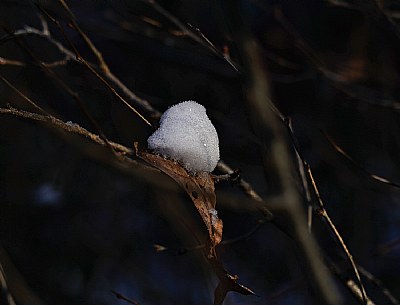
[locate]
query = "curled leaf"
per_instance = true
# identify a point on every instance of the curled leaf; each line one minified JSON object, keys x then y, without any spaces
{"x":199,"y":187}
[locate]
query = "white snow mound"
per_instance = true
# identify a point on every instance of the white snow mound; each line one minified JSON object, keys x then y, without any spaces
{"x":187,"y":135}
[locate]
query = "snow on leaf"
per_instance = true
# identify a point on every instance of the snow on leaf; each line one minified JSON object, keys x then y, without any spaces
{"x":187,"y":135}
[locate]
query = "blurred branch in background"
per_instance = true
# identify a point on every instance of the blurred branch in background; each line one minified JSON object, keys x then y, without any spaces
{"x":5,"y":296}
{"x":271,"y":130}
{"x":15,"y":290}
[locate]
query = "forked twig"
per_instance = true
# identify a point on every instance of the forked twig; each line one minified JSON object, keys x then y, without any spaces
{"x":45,"y":34}
{"x":306,"y":177}
{"x":79,"y":57}
{"x":62,"y":83}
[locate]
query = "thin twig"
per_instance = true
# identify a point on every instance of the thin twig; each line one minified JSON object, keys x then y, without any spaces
{"x":155,"y":114}
{"x":103,"y":65}
{"x":303,"y":164}
{"x":324,"y":214}
{"x":66,"y":126}
{"x":122,"y":297}
{"x":246,"y":235}
{"x":334,"y":78}
{"x":199,"y":38}
{"x":245,"y":186}
{"x":247,"y":189}
{"x":43,"y":33}
{"x":111,"y":88}
{"x":339,"y":3}
{"x":70,"y":56}
{"x":10,"y":62}
{"x":29,"y":100}
{"x":368,"y":275}
{"x":66,"y":87}
{"x":342,"y":152}
{"x":303,"y":176}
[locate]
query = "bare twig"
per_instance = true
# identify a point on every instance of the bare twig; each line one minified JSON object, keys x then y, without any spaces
{"x":65,"y":86}
{"x":43,"y":33}
{"x":246,"y":235}
{"x":103,"y":65}
{"x":10,"y":62}
{"x":30,"y":101}
{"x":248,"y":190}
{"x":122,"y":297}
{"x":355,"y":289}
{"x":368,"y":275}
{"x":339,"y":3}
{"x":342,"y":152}
{"x":199,"y":38}
{"x":306,"y":176}
{"x":324,"y":214}
{"x":334,"y":78}
{"x":68,"y":126}
{"x":155,"y":114}
{"x":107,"y":73}
{"x":301,"y":164}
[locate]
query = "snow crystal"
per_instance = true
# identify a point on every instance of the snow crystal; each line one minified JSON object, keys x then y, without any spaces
{"x":214,"y":216}
{"x":187,"y":135}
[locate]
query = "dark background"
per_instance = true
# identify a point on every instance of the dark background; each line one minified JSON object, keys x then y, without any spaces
{"x":74,"y":228}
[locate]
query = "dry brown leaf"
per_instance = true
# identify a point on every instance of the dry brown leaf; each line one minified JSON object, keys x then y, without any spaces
{"x":201,"y":190}
{"x":199,"y":187}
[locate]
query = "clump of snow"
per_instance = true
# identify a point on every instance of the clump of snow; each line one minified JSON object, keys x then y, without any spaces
{"x":187,"y":135}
